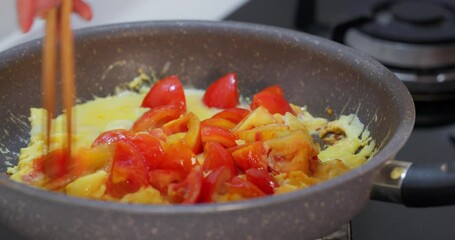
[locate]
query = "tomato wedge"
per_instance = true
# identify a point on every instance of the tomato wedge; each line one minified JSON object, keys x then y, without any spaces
{"x":234,"y":115}
{"x":262,"y":179}
{"x":128,"y":173}
{"x":244,"y":188}
{"x":189,"y":190}
{"x":161,"y":178}
{"x":150,"y":148}
{"x":272,"y":101}
{"x":111,"y":136}
{"x":190,"y":124}
{"x":223,"y":93}
{"x":252,"y":155}
{"x":274,"y":89}
{"x":179,"y":157}
{"x":167,"y":91}
{"x":217,"y":134}
{"x":218,"y":122}
{"x":156,"y":117}
{"x":56,"y":164}
{"x":213,"y":182}
{"x":217,"y":157}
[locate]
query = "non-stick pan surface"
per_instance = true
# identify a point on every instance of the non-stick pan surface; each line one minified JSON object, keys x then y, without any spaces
{"x":312,"y":71}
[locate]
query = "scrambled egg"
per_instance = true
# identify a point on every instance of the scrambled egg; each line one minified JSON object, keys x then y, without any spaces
{"x":348,"y":143}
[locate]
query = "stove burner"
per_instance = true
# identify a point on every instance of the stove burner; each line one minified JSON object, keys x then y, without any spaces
{"x":418,"y":12}
{"x":416,"y":40}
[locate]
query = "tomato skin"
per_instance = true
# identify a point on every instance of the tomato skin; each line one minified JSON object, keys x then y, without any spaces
{"x":217,"y":134}
{"x":55,"y":164}
{"x":218,"y":122}
{"x":262,"y":179}
{"x":156,"y":117}
{"x":252,"y":155}
{"x":212,"y":183}
{"x":112,"y":136}
{"x":128,"y":172}
{"x":217,"y":157}
{"x":274,"y":89}
{"x":234,"y":114}
{"x":188,"y":191}
{"x":167,"y":91}
{"x":190,"y":124}
{"x":222,"y":93}
{"x":272,"y":101}
{"x":179,"y":157}
{"x":244,"y":188}
{"x":150,"y":148}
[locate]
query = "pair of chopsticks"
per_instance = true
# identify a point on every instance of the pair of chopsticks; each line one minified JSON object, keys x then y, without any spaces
{"x":58,"y":36}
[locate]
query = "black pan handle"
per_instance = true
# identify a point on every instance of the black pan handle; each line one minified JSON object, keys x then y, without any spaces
{"x":416,"y":184}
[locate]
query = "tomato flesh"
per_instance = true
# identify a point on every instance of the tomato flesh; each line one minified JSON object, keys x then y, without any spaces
{"x":128,"y":173}
{"x":212,"y":183}
{"x":234,"y":114}
{"x":251,"y":155}
{"x":111,"y":136}
{"x":155,"y":118}
{"x":223,"y":93}
{"x":262,"y":179}
{"x":188,"y":191}
{"x":244,"y":188}
{"x":217,"y":134}
{"x":217,"y":157}
{"x":150,"y":148}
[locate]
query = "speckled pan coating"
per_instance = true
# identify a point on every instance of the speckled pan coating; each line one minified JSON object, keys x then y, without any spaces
{"x":312,"y":71}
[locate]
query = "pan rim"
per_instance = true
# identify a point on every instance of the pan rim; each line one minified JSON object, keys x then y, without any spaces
{"x":397,"y":140}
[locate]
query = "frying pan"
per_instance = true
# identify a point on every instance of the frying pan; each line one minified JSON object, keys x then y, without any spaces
{"x":313,"y":72}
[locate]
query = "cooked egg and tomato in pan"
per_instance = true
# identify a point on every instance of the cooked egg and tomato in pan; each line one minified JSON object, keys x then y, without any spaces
{"x":165,"y":144}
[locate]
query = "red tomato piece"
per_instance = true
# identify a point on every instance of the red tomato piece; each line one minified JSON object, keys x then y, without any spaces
{"x":179,"y":157}
{"x":272,"y":101}
{"x":234,"y":115}
{"x":262,"y":179}
{"x":218,"y":122}
{"x":212,"y":183}
{"x":274,"y":89}
{"x":189,"y":190}
{"x":150,"y":148}
{"x":223,"y":93}
{"x":190,"y":124}
{"x":160,"y":179}
{"x":252,"y":155}
{"x":156,"y":117}
{"x":217,"y":134}
{"x":128,"y":173}
{"x":158,"y":133}
{"x":217,"y":157}
{"x":244,"y":188}
{"x":111,"y":136}
{"x":167,"y":91}
{"x":56,"y":164}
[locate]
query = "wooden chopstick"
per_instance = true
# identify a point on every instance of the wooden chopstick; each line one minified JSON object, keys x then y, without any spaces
{"x":49,"y":71}
{"x":67,"y":66}
{"x":58,"y":29}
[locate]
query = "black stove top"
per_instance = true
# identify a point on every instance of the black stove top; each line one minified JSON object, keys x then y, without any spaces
{"x":379,"y":220}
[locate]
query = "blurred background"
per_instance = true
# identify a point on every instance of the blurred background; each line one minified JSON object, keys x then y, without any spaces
{"x":413,"y":38}
{"x":116,"y":11}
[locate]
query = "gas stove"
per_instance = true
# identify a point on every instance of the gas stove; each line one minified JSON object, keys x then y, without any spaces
{"x":428,"y":75}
